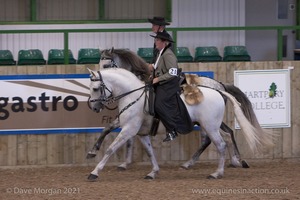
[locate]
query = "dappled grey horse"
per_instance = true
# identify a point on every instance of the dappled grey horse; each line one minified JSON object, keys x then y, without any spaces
{"x":123,"y":58}
{"x":124,"y":86}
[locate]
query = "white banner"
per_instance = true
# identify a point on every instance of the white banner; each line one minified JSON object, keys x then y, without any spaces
{"x":269,"y":93}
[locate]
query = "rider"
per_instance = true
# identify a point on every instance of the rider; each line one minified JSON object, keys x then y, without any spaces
{"x":158,"y":25}
{"x":168,"y":105}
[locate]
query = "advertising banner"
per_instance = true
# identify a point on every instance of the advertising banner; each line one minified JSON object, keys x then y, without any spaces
{"x":48,"y":103}
{"x":269,"y":93}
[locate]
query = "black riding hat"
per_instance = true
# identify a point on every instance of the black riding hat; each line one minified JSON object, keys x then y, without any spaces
{"x":163,"y":36}
{"x":158,"y":21}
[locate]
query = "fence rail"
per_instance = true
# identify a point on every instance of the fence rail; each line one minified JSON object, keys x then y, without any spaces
{"x":174,"y":31}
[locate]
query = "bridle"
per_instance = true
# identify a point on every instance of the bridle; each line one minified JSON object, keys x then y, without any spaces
{"x":106,"y":100}
{"x":112,"y":64}
{"x":103,"y":98}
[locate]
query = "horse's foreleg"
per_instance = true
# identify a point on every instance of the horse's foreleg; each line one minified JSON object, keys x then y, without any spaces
{"x":205,"y":142}
{"x":92,"y":153}
{"x":116,"y":144}
{"x":145,"y":140}
{"x":129,"y":152}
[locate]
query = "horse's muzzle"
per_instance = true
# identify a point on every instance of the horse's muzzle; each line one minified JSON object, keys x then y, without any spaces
{"x":96,"y":110}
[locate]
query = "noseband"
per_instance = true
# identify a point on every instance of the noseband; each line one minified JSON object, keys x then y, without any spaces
{"x":103,"y":98}
{"x":106,"y":100}
{"x":112,"y":64}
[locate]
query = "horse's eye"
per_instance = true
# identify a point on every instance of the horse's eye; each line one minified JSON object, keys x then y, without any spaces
{"x":106,"y":66}
{"x":95,"y":89}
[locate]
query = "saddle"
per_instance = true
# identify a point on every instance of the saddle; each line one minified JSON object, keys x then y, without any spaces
{"x":192,"y":94}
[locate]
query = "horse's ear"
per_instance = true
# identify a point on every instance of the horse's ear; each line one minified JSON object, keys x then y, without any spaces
{"x":92,"y":73}
{"x":89,"y":70}
{"x":111,"y":50}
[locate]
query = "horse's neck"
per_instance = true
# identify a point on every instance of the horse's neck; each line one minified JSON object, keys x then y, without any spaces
{"x":122,"y":82}
{"x":122,"y":64}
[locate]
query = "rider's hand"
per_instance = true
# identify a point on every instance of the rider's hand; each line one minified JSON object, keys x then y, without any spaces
{"x":155,"y":80}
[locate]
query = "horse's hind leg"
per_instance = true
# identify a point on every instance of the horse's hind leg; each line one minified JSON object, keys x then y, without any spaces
{"x":217,"y":139}
{"x":234,"y":154}
{"x":128,"y":156}
{"x":145,"y":140}
{"x":205,"y":142}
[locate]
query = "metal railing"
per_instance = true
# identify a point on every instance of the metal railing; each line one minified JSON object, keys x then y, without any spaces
{"x":174,"y":31}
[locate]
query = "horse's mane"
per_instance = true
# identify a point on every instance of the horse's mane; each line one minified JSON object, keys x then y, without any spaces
{"x":137,"y":65}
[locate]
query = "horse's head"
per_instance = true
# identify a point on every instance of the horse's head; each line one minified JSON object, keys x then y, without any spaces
{"x":98,"y":91}
{"x":107,"y":59}
{"x":126,"y":59}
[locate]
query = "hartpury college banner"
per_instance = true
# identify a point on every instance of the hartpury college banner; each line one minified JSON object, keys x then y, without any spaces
{"x":269,"y":93}
{"x":48,"y":103}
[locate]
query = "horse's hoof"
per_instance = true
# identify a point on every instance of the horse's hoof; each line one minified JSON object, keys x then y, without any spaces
{"x":245,"y":164}
{"x":119,"y":168}
{"x":211,"y":177}
{"x":184,"y":167}
{"x":231,"y":166}
{"x":148,"y":178}
{"x":92,"y":177}
{"x":90,"y":155}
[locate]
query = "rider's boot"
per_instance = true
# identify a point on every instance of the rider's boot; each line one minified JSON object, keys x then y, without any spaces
{"x":170,"y":136}
{"x":154,"y":126}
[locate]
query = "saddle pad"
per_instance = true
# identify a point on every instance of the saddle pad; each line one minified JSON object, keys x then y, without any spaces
{"x":192,"y":94}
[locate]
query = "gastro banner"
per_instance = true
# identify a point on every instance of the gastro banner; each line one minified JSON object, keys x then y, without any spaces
{"x":48,"y":103}
{"x":269,"y":93}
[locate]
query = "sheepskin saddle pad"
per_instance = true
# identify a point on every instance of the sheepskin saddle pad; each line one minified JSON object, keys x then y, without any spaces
{"x":192,"y":94}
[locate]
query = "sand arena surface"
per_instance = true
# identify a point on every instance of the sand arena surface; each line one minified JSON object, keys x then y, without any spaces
{"x":263,"y":180}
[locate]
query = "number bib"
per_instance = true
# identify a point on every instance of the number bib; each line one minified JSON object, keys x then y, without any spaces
{"x":173,"y":71}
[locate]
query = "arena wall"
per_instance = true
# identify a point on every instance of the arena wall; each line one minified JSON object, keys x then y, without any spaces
{"x":65,"y":149}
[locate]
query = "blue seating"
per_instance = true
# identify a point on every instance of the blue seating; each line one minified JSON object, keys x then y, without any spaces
{"x":31,"y":57}
{"x":6,"y":58}
{"x":236,"y":53}
{"x":207,"y":54}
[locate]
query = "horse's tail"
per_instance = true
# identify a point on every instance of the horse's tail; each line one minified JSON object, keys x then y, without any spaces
{"x":246,"y":105}
{"x":254,"y":134}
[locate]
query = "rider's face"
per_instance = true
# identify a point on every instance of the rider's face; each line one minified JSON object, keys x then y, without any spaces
{"x":160,"y":44}
{"x":157,"y":28}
